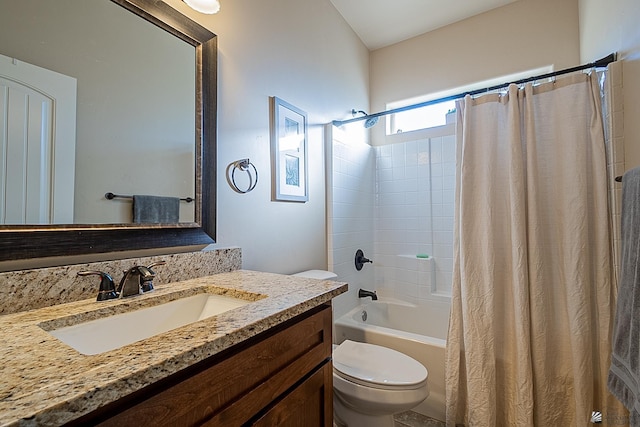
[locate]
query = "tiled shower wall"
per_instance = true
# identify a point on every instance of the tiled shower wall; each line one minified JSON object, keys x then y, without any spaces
{"x":393,"y":202}
{"x":350,"y":211}
{"x":415,"y":189}
{"x":614,"y":138}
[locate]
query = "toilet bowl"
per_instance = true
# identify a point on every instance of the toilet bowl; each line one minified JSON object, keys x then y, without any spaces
{"x":371,"y":383}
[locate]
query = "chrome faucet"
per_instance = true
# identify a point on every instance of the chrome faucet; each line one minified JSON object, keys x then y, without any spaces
{"x":130,"y":282}
{"x":362,"y":293}
{"x":137,"y":280}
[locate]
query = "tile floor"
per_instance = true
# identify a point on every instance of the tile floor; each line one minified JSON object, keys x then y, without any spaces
{"x":413,"y":419}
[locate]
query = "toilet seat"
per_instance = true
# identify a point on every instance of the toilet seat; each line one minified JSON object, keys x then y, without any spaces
{"x":378,"y":367}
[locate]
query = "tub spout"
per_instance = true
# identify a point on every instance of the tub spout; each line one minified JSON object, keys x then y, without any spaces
{"x":363,"y":293}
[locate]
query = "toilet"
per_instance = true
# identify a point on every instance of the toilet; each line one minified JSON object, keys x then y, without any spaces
{"x":371,"y":382}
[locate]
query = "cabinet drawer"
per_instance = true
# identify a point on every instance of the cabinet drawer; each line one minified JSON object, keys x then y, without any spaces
{"x":232,"y":390}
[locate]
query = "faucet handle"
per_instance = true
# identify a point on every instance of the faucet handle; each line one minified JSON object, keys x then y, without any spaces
{"x":107,"y":286}
{"x":360,"y":259}
{"x":156,"y":264}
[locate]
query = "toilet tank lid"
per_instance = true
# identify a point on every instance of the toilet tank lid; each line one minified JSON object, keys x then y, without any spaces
{"x":317,"y":274}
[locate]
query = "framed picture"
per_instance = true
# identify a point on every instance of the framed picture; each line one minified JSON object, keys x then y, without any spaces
{"x":288,"y":152}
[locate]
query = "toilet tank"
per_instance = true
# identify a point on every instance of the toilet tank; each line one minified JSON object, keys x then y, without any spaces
{"x":317,"y":274}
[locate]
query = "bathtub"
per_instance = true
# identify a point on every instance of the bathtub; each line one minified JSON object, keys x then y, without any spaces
{"x":417,"y":331}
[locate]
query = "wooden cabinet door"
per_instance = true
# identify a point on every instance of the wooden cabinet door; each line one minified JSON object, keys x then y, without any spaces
{"x":308,"y":405}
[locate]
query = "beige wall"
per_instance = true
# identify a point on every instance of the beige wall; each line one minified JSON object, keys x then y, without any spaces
{"x":303,"y":52}
{"x":614,"y":26}
{"x":521,"y":36}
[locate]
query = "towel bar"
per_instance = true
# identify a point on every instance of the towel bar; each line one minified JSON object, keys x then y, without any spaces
{"x":111,"y":196}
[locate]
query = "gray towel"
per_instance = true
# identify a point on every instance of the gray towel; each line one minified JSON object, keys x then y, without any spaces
{"x":624,"y":373}
{"x":155,"y":209}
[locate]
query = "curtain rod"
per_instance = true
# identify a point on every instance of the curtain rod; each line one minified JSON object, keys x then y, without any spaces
{"x":600,"y":63}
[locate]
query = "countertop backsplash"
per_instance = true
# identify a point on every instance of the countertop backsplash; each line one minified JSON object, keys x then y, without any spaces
{"x":29,"y":289}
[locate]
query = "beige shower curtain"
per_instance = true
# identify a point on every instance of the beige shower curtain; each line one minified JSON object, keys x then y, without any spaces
{"x":532,"y":302}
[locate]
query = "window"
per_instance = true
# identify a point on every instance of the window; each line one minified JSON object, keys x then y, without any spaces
{"x":436,"y":114}
{"x":421,"y":118}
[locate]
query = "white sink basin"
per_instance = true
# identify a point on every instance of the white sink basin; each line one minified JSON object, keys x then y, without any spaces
{"x":109,"y":333}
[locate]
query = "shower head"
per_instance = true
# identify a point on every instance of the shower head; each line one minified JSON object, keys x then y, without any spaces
{"x":370,"y":122}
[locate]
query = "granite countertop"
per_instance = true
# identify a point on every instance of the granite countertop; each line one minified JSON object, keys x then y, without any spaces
{"x":46,"y":382}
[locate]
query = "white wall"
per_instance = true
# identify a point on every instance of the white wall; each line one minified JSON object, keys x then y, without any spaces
{"x":520,"y":36}
{"x":303,"y":52}
{"x":613,"y":26}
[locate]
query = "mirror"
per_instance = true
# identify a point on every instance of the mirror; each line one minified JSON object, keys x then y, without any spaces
{"x":176,"y":121}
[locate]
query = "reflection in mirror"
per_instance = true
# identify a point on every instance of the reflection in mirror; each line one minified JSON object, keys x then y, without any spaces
{"x":134,"y":132}
{"x":143,"y":77}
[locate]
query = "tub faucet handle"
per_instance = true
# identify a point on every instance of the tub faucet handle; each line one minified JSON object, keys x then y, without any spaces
{"x":361,"y":260}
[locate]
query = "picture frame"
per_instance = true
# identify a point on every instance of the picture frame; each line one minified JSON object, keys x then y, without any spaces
{"x":289,"y":167}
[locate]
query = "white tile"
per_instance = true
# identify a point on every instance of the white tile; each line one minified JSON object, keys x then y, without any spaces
{"x":411,"y":147}
{"x":449,"y":183}
{"x":449,"y":149}
{"x":424,"y":174}
{"x":398,"y":173}
{"x":411,"y":159}
{"x":398,"y":150}
{"x":411,"y":172}
{"x":448,"y":196}
{"x":385,"y":150}
{"x":449,"y":169}
{"x":438,"y":210}
{"x":386,"y":186}
{"x":442,"y":251}
{"x":384,"y":163}
{"x":410,"y":185}
{"x":618,"y":124}
{"x":442,"y":238}
{"x":437,"y":183}
{"x":443,"y":224}
{"x":385,"y":174}
{"x":437,"y":196}
{"x":412,"y":198}
{"x":436,"y":150}
{"x":423,"y":158}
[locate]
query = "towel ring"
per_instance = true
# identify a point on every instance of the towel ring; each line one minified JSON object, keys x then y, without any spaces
{"x":242,"y":165}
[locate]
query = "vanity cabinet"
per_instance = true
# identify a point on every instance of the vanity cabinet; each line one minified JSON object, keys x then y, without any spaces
{"x":281,"y":377}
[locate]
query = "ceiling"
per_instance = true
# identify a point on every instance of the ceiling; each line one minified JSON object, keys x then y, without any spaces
{"x":381,"y":23}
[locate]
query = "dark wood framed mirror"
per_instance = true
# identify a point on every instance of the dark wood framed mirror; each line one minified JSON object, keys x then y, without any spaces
{"x":19,"y":242}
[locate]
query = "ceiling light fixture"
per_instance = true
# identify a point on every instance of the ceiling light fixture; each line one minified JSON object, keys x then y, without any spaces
{"x":204,"y":6}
